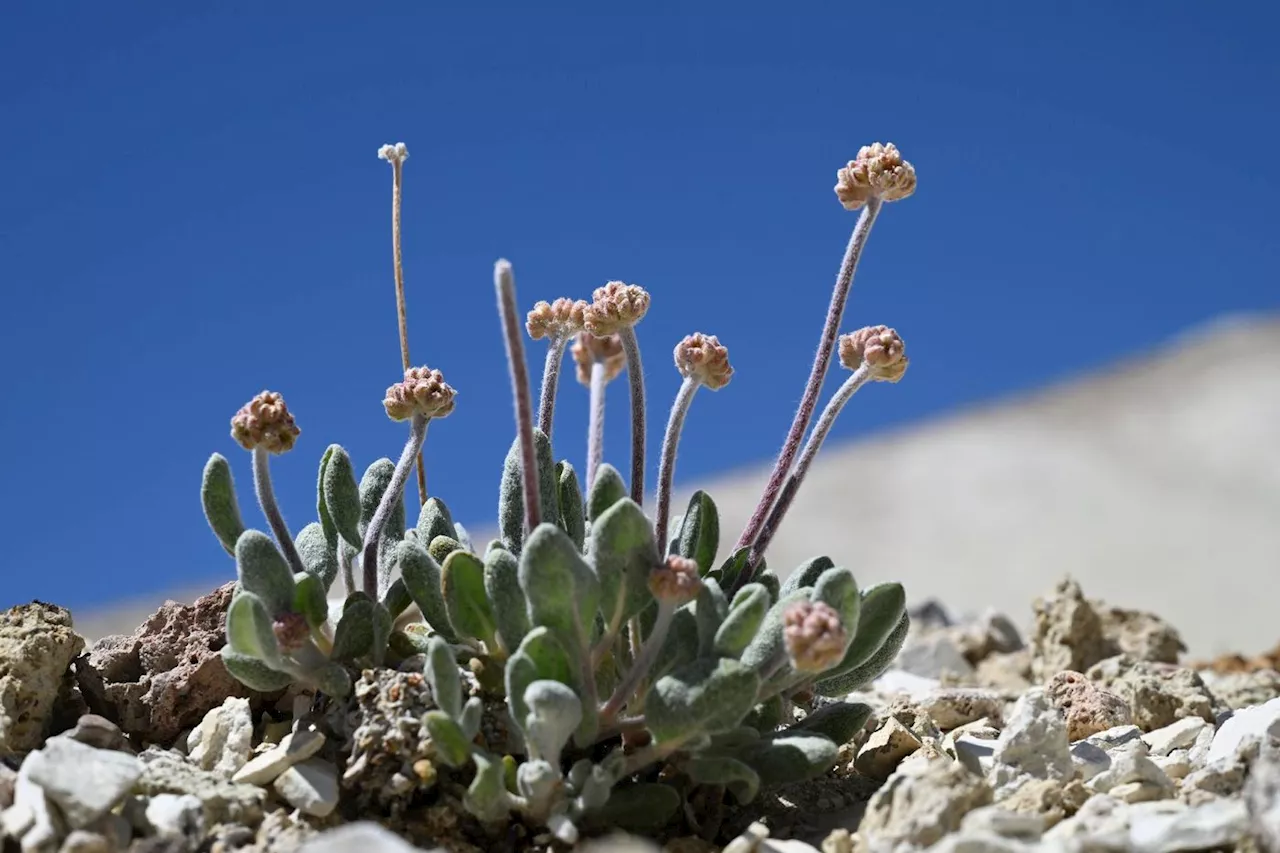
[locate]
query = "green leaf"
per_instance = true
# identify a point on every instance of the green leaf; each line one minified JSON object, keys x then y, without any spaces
{"x":249,"y":628}
{"x":643,"y":807}
{"x":511,"y":490}
{"x":354,"y":636}
{"x":421,"y":576}
{"x":341,"y":495}
{"x":710,"y":611}
{"x":309,"y":599}
{"x":410,"y":641}
{"x":767,"y":716}
{"x":381,"y":633}
{"x":441,"y":547}
{"x":870,"y":669}
{"x":572,"y":511}
{"x":442,"y":675}
{"x":738,"y":778}
{"x":447,"y":737}
{"x":704,"y":697}
{"x":731,"y":568}
{"x":606,"y":491}
{"x":562,"y":590}
{"x":770,"y":582}
{"x":554,"y":712}
{"x":681,"y":645}
{"x":318,"y":555}
{"x":880,"y":612}
{"x":218,"y":495}
{"x":837,"y":722}
{"x":377,"y":477}
{"x":806,"y":574}
{"x":743,"y":621}
{"x":788,"y":759}
{"x":622,"y":549}
{"x":768,"y":641}
{"x":435,"y":520}
{"x":540,"y":656}
{"x":502,"y":586}
{"x":327,"y":526}
{"x":838,"y":589}
{"x":333,"y":680}
{"x":397,"y":598}
{"x":253,"y":673}
{"x":263,"y":571}
{"x":471,"y":717}
{"x":462,"y":580}
{"x":487,"y":799}
{"x":699,"y":536}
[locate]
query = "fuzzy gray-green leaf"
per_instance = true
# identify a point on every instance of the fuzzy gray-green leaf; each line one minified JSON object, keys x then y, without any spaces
{"x":870,"y":669}
{"x":554,"y":711}
{"x":502,"y":585}
{"x":253,"y":673}
{"x":329,"y":529}
{"x":837,"y":722}
{"x":540,"y":656}
{"x":472,"y":717}
{"x":263,"y":571}
{"x":768,"y":641}
{"x":309,"y":599}
{"x":435,"y":520}
{"x":421,"y":576}
{"x":218,"y":495}
{"x":354,"y":636}
{"x":740,"y":625}
{"x":606,"y":491}
{"x":641,"y":807}
{"x":382,"y":624}
{"x":487,"y":799}
{"x":411,"y":640}
{"x":710,"y":611}
{"x":462,"y":579}
{"x":441,"y":547}
{"x":738,"y":778}
{"x":704,"y":697}
{"x":511,"y":490}
{"x":767,"y":579}
{"x":806,"y":574}
{"x":572,"y":511}
{"x":447,"y":737}
{"x":699,"y":536}
{"x":790,"y":758}
{"x":622,"y":549}
{"x":249,"y":628}
{"x":881,"y":609}
{"x":318,"y":555}
{"x":442,"y":675}
{"x":681,"y":645}
{"x":837,"y":588}
{"x":341,"y":495}
{"x":562,"y":590}
{"x":376,"y":479}
{"x":334,"y":680}
{"x":397,"y":598}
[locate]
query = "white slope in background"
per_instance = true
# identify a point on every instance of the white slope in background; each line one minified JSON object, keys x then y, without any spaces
{"x":1156,"y":483}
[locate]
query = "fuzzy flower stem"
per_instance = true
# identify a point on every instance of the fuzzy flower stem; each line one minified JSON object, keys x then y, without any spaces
{"x":635,"y":373}
{"x":641,"y":665}
{"x":595,"y":429}
{"x":550,"y":381}
{"x":402,"y":314}
{"x":504,"y":282}
{"x":667,"y":465}
{"x":794,"y":480}
{"x":804,"y":414}
{"x":271,"y":509}
{"x":369,"y":562}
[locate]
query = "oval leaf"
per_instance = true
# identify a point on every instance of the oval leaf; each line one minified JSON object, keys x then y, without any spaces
{"x":218,"y":496}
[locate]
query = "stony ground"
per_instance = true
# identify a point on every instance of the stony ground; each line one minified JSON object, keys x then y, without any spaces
{"x":1091,"y":734}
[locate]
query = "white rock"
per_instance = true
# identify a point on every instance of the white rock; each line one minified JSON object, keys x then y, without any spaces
{"x":1130,"y":764}
{"x":885,"y":749}
{"x":1033,"y":745}
{"x":995,"y":820}
{"x":1111,"y":738}
{"x":84,"y":782}
{"x":1262,"y":797}
{"x":223,"y":741}
{"x":1089,"y":759}
{"x":952,"y":707}
{"x":30,"y":817}
{"x":1176,"y":765}
{"x":897,"y":681}
{"x":1179,"y":735}
{"x":1260,"y":720}
{"x":310,"y":786}
{"x":785,"y":845}
{"x":1217,"y":824}
{"x":175,"y":816}
{"x":293,"y":748}
{"x":933,"y":656}
{"x":365,"y":836}
{"x":82,"y":841}
{"x":1199,"y":752}
{"x":975,"y":753}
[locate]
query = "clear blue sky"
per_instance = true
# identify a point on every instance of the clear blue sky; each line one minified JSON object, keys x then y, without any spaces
{"x":192,"y":211}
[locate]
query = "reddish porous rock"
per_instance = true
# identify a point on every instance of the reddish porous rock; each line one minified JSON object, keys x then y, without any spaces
{"x":1088,"y":708}
{"x":168,"y":674}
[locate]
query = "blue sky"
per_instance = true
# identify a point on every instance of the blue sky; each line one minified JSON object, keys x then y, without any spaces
{"x":192,"y":211}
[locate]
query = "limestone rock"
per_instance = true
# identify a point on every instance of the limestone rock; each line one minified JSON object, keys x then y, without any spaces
{"x":310,"y":786}
{"x":1131,"y":764}
{"x":1261,"y":721}
{"x":175,"y":816}
{"x":953,"y":707}
{"x":165,"y":772}
{"x":1006,"y":672}
{"x":389,"y":741}
{"x":996,"y":820}
{"x":1088,"y":709}
{"x":1262,"y":798}
{"x":1212,"y":826}
{"x":1033,"y":745}
{"x":932,"y":656}
{"x":1157,"y":694}
{"x":1239,"y":690}
{"x":1142,"y":636}
{"x":295,"y":747}
{"x":224,"y":738}
{"x":1068,"y":633}
{"x":168,"y":674}
{"x":1047,"y":799}
{"x":1223,"y":777}
{"x":82,"y":841}
{"x":99,"y":733}
{"x":885,"y":749}
{"x":1181,"y":734}
{"x":37,"y":645}
{"x":365,"y":836}
{"x":84,"y":782}
{"x":922,"y":803}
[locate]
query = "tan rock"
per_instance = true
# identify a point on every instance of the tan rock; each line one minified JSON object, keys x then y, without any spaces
{"x":885,"y":750}
{"x":37,"y":644}
{"x":1088,"y":709}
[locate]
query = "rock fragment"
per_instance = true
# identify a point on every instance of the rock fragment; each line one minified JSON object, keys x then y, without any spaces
{"x":37,"y":645}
